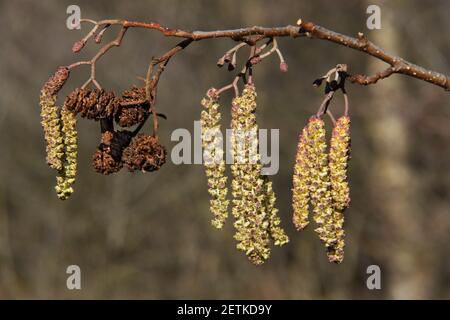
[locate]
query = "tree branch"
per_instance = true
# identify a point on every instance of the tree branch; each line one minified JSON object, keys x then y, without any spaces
{"x":253,"y":34}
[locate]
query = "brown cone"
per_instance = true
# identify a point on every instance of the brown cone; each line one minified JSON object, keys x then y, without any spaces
{"x":144,"y":153}
{"x":92,"y":104}
{"x":130,"y":115}
{"x":107,"y":157}
{"x":136,"y":108}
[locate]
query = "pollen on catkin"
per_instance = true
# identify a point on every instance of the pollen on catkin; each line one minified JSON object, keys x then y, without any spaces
{"x":66,"y":177}
{"x":253,"y":200}
{"x":51,"y":118}
{"x":340,"y":191}
{"x":320,"y":182}
{"x":213,"y":159}
{"x":276,"y":232}
{"x":300,"y":182}
{"x":52,"y":130}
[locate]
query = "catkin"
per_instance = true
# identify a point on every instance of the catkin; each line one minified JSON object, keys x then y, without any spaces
{"x":52,"y":130}
{"x":66,"y":177}
{"x":301,"y":181}
{"x":253,"y":197}
{"x":338,"y":162}
{"x":276,"y":232}
{"x":320,"y":182}
{"x":213,"y":160}
{"x":51,"y":117}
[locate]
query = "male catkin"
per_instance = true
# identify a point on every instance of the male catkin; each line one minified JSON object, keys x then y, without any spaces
{"x":301,"y":181}
{"x":253,"y":198}
{"x":340,"y":191}
{"x":52,"y":130}
{"x":276,"y":232}
{"x":51,"y":118}
{"x":66,"y":177}
{"x":320,"y":182}
{"x":213,"y":159}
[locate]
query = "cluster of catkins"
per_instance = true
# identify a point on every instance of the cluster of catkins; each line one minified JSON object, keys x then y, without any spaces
{"x":256,"y":217}
{"x":117,"y":148}
{"x":321,"y":179}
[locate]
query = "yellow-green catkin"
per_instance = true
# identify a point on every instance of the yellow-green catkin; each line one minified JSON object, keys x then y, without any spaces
{"x":300,"y":182}
{"x":319,"y":186}
{"x":66,"y":177}
{"x":253,"y":199}
{"x":276,"y":232}
{"x":340,"y":191}
{"x":52,"y":129}
{"x":213,"y":160}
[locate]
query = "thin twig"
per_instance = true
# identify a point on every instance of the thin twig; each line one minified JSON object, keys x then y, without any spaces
{"x":311,"y":30}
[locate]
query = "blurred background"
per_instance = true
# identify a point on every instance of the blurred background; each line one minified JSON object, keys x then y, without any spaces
{"x":149,"y":235}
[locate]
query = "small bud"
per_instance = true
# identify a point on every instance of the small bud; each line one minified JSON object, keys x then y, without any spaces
{"x":98,"y":37}
{"x":221,"y":62}
{"x":284,"y":66}
{"x":318,"y":82}
{"x":255,"y":60}
{"x":77,"y":46}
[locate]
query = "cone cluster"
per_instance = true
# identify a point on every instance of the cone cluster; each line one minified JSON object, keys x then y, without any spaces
{"x":321,"y":179}
{"x":128,"y":110}
{"x":118,"y":148}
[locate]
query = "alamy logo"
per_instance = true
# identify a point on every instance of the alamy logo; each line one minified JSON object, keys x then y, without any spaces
{"x":74,"y":280}
{"x":256,"y":144}
{"x":374,"y":280}
{"x":73,"y":20}
{"x":374,"y":20}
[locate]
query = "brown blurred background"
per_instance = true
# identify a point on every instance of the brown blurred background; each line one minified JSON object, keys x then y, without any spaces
{"x":149,"y":235}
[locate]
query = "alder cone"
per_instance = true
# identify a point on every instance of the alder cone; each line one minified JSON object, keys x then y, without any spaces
{"x":107,"y":158}
{"x":136,"y":109}
{"x":92,"y":104}
{"x":128,"y":116}
{"x":144,"y":153}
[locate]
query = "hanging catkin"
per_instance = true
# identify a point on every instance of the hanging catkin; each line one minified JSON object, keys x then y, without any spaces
{"x":213,"y":159}
{"x":51,"y":118}
{"x":66,"y":177}
{"x":338,"y":162}
{"x":320,"y":182}
{"x":251,"y":226}
{"x":301,"y":181}
{"x":253,"y":197}
{"x":276,"y":232}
